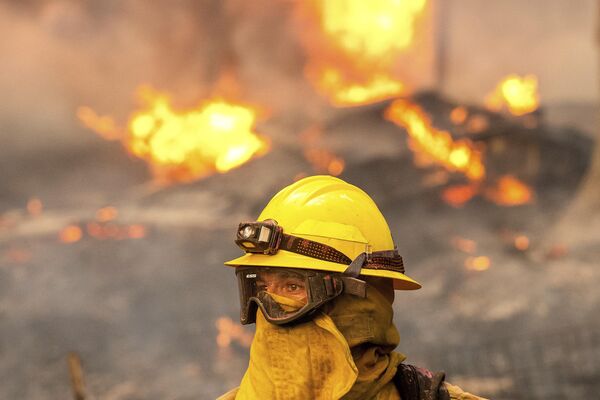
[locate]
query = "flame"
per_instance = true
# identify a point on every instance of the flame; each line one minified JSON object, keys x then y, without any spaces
{"x":438,"y":146}
{"x":509,"y":191}
{"x":230,"y":331}
{"x":353,"y":45}
{"x":342,"y":92}
{"x":518,"y":94}
{"x":183,"y":146}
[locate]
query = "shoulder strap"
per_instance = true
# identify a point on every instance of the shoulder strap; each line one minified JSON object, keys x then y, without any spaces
{"x":414,"y":383}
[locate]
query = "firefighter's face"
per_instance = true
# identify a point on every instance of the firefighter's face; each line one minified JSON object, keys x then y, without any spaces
{"x":283,"y":283}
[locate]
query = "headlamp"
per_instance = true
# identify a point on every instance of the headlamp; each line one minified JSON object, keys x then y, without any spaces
{"x":259,"y":237}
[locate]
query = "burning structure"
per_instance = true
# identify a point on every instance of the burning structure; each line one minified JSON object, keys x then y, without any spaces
{"x":111,"y":244}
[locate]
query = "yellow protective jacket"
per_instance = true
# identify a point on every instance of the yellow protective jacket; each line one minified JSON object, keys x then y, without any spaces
{"x":344,"y":353}
{"x":390,"y":393}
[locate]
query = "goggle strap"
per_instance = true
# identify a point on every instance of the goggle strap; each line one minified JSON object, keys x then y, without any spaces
{"x":355,"y":286}
{"x":356,"y":265}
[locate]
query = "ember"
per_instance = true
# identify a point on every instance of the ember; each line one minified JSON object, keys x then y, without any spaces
{"x":480,"y":263}
{"x":106,"y":214}
{"x":518,"y":94}
{"x":183,"y":146}
{"x":509,"y":191}
{"x":459,"y":195}
{"x":521,"y":242}
{"x":70,"y":234}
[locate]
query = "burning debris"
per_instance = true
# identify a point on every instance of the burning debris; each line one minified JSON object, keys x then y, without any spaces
{"x":182,"y":146}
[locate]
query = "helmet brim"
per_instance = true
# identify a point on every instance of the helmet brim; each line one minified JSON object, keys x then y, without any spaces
{"x":288,"y":259}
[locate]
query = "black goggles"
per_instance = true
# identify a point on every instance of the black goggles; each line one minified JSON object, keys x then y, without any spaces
{"x":287,"y":295}
{"x":267,"y":237}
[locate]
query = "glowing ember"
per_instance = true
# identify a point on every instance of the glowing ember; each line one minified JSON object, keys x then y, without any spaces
{"x":521,"y":242}
{"x":509,"y":191}
{"x":106,"y":214}
{"x":34,"y":206}
{"x":230,"y":331}
{"x":182,"y":146}
{"x":480,"y":263}
{"x":355,"y":44}
{"x":459,"y":115}
{"x":518,"y":94}
{"x":459,"y":195}
{"x":70,"y":234}
{"x":460,"y":155}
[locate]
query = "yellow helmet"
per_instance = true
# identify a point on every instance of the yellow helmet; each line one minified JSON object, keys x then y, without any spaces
{"x":334,"y":213}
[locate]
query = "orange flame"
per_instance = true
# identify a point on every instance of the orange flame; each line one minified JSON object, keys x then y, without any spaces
{"x":436,"y":145}
{"x":518,"y":94}
{"x":230,"y":331}
{"x":509,"y":191}
{"x":183,"y":146}
{"x":356,"y":44}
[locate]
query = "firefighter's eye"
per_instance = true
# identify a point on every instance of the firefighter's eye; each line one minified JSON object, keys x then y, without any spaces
{"x":294,"y":287}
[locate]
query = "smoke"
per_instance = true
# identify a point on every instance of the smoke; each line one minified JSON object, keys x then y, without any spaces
{"x":60,"y":54}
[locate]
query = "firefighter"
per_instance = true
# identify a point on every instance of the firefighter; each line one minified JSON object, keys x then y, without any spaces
{"x":318,"y":279}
